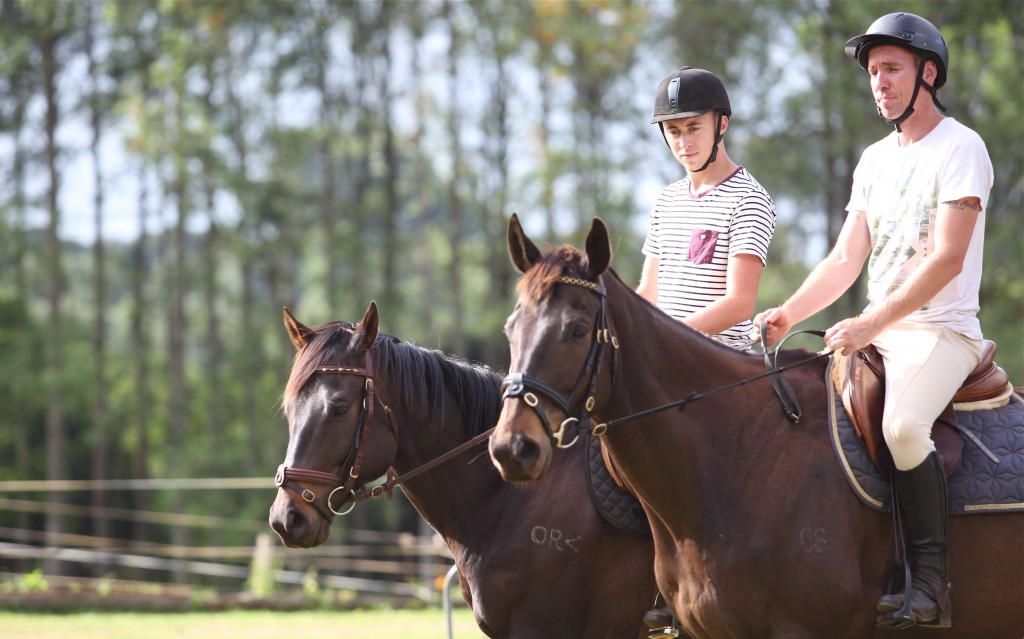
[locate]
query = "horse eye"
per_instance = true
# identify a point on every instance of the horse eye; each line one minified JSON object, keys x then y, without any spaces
{"x":579,"y":331}
{"x":340,"y":410}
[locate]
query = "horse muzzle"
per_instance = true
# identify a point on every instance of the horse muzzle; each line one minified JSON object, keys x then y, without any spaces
{"x":297,"y":527}
{"x":519,"y":457}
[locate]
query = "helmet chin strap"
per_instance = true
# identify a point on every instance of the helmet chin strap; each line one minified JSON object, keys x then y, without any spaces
{"x":918,"y":83}
{"x":714,"y":147}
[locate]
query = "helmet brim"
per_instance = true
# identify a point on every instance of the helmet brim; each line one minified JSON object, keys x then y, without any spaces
{"x":858,"y":47}
{"x":677,"y":116}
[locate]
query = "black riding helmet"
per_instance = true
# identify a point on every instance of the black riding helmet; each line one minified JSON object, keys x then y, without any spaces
{"x":687,"y":93}
{"x":914,"y":34}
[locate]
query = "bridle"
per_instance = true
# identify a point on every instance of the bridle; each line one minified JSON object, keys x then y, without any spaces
{"x":518,"y":384}
{"x":522,"y":385}
{"x":287,"y":476}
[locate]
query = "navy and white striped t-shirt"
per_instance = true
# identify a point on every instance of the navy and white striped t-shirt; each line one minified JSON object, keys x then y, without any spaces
{"x":693,"y":237}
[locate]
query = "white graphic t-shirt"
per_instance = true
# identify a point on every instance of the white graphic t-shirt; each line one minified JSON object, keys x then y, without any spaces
{"x":900,"y":189}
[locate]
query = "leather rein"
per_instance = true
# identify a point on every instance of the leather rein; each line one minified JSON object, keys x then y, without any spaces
{"x":288,"y":476}
{"x":527,"y":387}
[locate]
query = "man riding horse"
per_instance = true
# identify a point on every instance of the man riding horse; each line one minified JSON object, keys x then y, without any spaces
{"x":917,"y":216}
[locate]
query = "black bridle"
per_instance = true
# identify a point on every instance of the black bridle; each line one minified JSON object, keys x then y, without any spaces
{"x":288,"y":476}
{"x":517,"y":384}
{"x":522,"y":385}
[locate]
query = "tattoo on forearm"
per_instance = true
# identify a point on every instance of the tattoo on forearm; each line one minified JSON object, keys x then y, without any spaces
{"x":964,"y":205}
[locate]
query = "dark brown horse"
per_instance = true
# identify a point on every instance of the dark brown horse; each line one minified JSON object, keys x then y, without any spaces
{"x":756,"y":532}
{"x":534,"y":562}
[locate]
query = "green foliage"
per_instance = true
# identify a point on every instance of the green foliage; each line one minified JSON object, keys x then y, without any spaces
{"x":33,"y":581}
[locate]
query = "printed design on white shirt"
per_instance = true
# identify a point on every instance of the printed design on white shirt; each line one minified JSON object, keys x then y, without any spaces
{"x":900,"y":189}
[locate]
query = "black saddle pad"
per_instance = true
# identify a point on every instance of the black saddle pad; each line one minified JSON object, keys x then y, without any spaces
{"x":618,"y":507}
{"x":979,"y":485}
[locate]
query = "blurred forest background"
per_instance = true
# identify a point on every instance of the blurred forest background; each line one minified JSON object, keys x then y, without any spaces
{"x":176,"y":171}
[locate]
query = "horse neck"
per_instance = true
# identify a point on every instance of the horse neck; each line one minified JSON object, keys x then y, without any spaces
{"x":446,"y":493}
{"x":661,"y":362}
{"x":662,"y":358}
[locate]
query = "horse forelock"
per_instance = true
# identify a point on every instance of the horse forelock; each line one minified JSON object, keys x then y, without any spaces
{"x":314,"y":354}
{"x":539,"y":282}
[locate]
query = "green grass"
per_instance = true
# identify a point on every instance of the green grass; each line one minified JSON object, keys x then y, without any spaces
{"x":363,"y":624}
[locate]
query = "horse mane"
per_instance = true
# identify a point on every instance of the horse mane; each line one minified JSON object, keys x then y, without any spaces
{"x":418,"y":375}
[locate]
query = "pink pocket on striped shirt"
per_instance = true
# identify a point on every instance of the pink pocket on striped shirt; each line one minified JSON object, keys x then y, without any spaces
{"x":702,"y":245}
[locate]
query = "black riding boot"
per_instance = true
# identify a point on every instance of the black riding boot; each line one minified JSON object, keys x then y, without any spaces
{"x":921,"y":493}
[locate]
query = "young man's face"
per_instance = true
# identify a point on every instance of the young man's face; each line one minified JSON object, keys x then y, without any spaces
{"x":691,"y":139}
{"x":893,"y":71}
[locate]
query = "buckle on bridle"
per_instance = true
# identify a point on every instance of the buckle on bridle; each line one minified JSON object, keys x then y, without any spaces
{"x":559,"y":434}
{"x":351,"y":503}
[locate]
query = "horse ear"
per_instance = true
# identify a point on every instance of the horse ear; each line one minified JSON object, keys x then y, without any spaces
{"x":599,"y":249}
{"x":299,"y":332}
{"x":368,"y":326}
{"x":523,"y":252}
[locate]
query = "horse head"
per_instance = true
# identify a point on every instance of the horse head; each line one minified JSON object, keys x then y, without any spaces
{"x":340,"y":432}
{"x":558,"y":337}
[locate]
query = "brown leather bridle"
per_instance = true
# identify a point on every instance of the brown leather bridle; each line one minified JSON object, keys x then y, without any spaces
{"x":288,"y":476}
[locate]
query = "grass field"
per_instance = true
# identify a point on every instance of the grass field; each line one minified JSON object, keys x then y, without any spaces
{"x":376,"y":624}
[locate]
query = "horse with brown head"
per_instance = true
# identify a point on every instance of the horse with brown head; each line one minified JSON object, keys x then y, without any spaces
{"x":756,"y":531}
{"x":533,"y":562}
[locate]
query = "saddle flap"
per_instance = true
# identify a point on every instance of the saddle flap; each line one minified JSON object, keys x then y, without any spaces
{"x":862,"y":386}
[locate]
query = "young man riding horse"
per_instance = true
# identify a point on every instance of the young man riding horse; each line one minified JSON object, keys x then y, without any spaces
{"x":917,"y":216}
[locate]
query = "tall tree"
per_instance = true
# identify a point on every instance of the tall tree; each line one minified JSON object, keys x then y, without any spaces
{"x":98,"y":111}
{"x":55,"y":23}
{"x":455,"y":224}
{"x":18,"y":80}
{"x":390,"y":212}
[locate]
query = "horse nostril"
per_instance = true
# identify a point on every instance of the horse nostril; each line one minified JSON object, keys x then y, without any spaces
{"x":525,"y":450}
{"x":292,"y":523}
{"x":296,"y":522}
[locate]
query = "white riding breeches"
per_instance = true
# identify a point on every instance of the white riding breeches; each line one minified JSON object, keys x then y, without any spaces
{"x":924,"y":366}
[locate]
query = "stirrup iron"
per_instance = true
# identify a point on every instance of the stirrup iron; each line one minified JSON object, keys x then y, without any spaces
{"x":904,"y":617}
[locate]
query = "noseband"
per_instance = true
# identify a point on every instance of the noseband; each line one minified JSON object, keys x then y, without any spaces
{"x":288,"y":476}
{"x":517,"y":384}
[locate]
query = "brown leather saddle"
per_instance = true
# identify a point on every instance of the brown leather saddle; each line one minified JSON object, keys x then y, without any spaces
{"x":862,"y":385}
